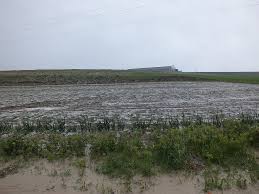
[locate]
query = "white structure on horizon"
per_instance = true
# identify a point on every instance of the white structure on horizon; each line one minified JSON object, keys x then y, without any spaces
{"x":157,"y":69}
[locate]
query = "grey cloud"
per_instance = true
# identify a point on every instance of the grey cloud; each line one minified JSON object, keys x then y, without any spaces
{"x":198,"y":35}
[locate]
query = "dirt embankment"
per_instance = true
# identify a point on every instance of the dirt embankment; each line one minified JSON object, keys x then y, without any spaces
{"x":63,"y":177}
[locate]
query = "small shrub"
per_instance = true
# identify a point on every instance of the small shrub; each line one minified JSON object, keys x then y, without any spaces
{"x":130,"y":157}
{"x":170,"y":149}
{"x":217,"y":146}
{"x":80,"y":163}
{"x":215,"y":181}
{"x":102,"y":144}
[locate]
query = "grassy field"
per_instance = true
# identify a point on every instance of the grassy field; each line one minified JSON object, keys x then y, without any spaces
{"x":59,"y":77}
{"x":222,"y":150}
{"x":235,"y":77}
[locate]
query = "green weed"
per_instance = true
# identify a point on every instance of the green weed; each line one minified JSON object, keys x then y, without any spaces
{"x":227,"y":144}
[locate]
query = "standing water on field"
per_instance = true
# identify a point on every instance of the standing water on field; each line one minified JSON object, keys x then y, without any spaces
{"x":143,"y":99}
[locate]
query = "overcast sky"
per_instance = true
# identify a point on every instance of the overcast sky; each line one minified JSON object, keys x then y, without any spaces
{"x":195,"y":35}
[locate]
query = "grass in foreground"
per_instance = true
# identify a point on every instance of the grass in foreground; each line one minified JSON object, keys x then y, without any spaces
{"x":223,"y":152}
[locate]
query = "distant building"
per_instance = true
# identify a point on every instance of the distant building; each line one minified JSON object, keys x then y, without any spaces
{"x":156,"y":69}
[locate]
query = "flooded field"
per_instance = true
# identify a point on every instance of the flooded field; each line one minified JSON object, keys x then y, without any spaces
{"x":143,"y":99}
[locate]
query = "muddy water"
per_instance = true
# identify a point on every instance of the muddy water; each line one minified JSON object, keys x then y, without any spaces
{"x":144,"y":99}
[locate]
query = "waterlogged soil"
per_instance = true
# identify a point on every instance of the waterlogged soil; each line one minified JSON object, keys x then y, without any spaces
{"x":144,"y":99}
{"x":63,"y":177}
